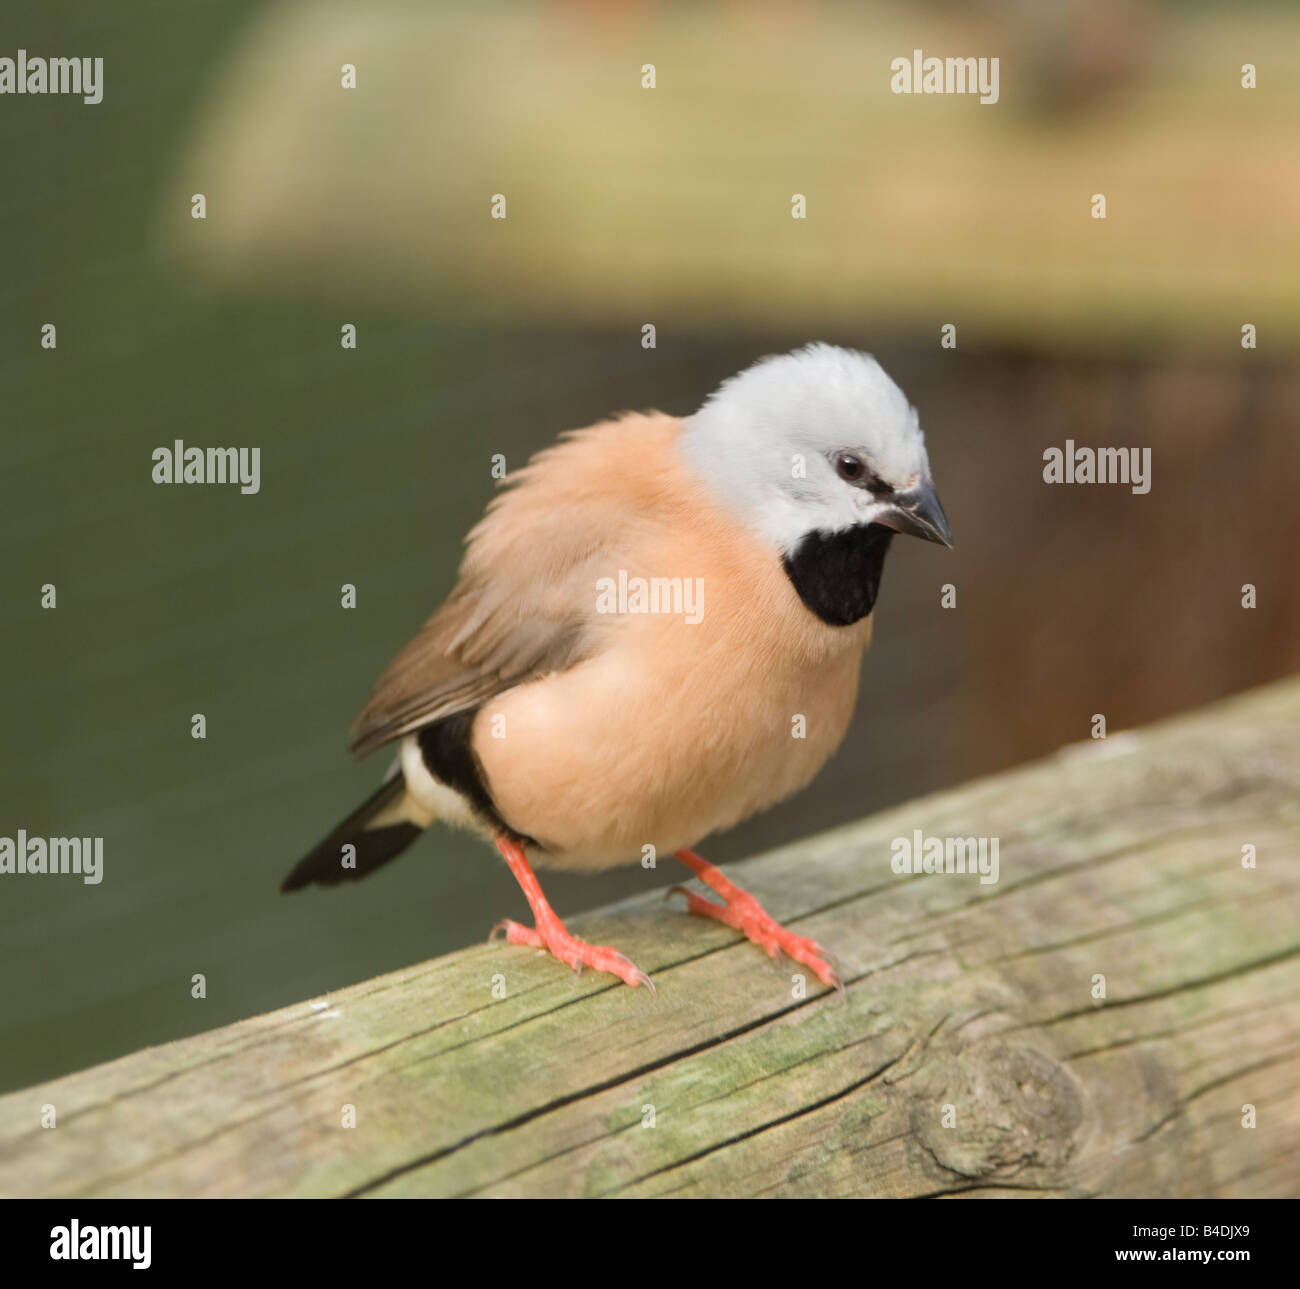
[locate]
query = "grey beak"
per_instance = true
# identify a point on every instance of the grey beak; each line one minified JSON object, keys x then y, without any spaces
{"x":918,"y":513}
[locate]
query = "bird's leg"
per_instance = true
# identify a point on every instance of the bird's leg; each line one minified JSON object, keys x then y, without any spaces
{"x":550,"y":933}
{"x":744,"y":913}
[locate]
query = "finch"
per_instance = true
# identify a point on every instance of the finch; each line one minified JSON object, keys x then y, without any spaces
{"x":656,"y":632}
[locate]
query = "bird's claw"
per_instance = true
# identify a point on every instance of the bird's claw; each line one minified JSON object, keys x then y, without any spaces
{"x":573,"y":952}
{"x":743,"y":913}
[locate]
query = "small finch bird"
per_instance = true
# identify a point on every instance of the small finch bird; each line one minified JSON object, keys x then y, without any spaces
{"x":645,"y":617}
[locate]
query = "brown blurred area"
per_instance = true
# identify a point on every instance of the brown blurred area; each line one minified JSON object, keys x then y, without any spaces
{"x":1076,"y":600}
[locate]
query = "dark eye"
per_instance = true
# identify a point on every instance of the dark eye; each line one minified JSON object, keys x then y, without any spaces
{"x":853,"y":469}
{"x":849,"y":467}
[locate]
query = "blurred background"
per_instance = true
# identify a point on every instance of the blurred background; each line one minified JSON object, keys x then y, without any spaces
{"x":626,"y":206}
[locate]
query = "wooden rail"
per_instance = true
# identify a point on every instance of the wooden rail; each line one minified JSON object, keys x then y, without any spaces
{"x":973,"y":1053}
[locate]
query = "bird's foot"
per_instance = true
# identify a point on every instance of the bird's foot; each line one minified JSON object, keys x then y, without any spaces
{"x":743,"y":913}
{"x":573,"y":952}
{"x":550,"y":933}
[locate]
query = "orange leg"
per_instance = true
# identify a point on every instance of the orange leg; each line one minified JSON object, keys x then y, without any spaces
{"x":550,"y":933}
{"x":745,"y":914}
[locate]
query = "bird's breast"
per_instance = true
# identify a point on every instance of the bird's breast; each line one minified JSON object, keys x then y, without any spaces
{"x":676,"y":729}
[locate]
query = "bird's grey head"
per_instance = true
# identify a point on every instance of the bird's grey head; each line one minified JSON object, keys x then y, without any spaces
{"x":820,"y":454}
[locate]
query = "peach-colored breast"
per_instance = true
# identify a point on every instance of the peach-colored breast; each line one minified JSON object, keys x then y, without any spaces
{"x":674,"y":729}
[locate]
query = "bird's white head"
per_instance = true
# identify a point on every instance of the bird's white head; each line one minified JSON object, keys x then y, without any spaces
{"x":819,"y":453}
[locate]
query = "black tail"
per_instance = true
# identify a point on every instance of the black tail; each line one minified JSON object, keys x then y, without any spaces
{"x":374,"y":846}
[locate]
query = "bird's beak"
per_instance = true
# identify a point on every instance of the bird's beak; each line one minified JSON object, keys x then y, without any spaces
{"x":918,"y":513}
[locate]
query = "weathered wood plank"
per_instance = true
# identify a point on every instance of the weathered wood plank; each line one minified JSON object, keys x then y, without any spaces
{"x":1120,"y":860}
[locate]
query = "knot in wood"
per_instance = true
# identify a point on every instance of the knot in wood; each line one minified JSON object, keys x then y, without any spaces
{"x":1007,"y":1109}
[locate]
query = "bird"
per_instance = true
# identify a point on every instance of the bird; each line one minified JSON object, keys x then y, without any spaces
{"x":656,"y":632}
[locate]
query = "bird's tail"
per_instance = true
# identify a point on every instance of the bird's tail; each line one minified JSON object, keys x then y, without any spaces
{"x":376,"y":831}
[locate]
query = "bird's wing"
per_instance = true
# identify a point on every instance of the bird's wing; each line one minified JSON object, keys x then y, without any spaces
{"x":524,"y":606}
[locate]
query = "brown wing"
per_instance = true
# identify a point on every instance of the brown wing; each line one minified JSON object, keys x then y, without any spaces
{"x":523,"y":607}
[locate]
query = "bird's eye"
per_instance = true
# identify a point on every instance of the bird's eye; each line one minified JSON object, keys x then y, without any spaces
{"x":849,"y":467}
{"x":853,"y":469}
